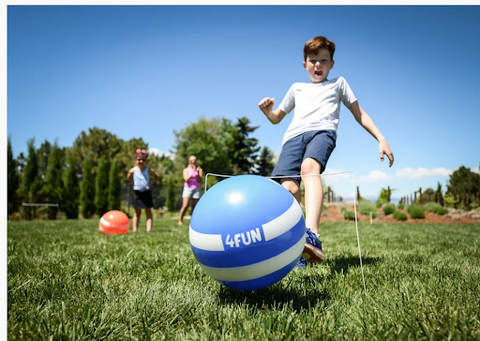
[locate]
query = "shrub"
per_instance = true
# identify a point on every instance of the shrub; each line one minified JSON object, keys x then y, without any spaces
{"x":414,"y":207}
{"x":399,"y":215}
{"x":388,"y":209}
{"x":432,"y":207}
{"x":343,"y":209}
{"x":349,"y":215}
{"x":417,"y":212}
{"x":401,"y":206}
{"x":442,"y":211}
{"x":365,"y":207}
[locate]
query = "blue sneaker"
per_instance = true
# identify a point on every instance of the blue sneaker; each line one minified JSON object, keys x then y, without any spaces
{"x":313,"y":248}
{"x":302,"y":264}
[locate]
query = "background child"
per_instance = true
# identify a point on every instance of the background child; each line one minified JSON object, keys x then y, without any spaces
{"x":311,"y":136}
{"x":192,"y":189}
{"x":140,"y":176}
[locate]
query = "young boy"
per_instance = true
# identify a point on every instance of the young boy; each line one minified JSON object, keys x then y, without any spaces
{"x":310,"y":137}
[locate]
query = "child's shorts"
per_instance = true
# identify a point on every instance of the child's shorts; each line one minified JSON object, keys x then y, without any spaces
{"x":193,"y":193}
{"x":317,"y":144}
{"x":142,"y":200}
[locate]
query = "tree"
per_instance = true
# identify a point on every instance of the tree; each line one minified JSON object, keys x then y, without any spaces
{"x":13,"y":180}
{"x":21,"y":161}
{"x":204,"y":140}
{"x":97,"y":142}
{"x":87,"y":195}
{"x":52,"y":190}
{"x":242,"y":149}
{"x":466,"y":183}
{"x":384,"y":196}
{"x":101,"y":187}
{"x":72,"y":189}
{"x":438,"y":194}
{"x":31,"y":184}
{"x":114,"y":187}
{"x":170,"y":203}
{"x":43,"y":155}
{"x":428,"y":195}
{"x":265,"y":162}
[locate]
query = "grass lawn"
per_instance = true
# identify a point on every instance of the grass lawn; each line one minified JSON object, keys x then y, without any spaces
{"x":67,"y":281}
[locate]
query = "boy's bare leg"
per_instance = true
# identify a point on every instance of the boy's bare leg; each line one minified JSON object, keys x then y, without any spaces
{"x":148,"y":212}
{"x":293,"y":187}
{"x":313,"y":193}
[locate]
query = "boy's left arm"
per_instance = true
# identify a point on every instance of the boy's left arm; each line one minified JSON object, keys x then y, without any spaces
{"x":366,"y":122}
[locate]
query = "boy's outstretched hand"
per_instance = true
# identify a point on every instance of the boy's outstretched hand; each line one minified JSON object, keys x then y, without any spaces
{"x":384,"y":149}
{"x":266,"y":105}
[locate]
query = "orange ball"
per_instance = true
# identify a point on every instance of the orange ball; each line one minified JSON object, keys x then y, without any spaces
{"x":114,"y":222}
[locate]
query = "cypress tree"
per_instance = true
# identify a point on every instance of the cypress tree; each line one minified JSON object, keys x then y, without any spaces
{"x":87,"y":195}
{"x":265,"y":164}
{"x":30,"y":172}
{"x":53,"y":188}
{"x":170,"y":202}
{"x":13,"y":180}
{"x":72,"y":190}
{"x":31,"y":184}
{"x":439,"y":195}
{"x":114,"y":187}
{"x":101,"y":187}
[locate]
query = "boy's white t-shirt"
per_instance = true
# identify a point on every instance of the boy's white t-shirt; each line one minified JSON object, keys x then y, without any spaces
{"x":317,"y":105}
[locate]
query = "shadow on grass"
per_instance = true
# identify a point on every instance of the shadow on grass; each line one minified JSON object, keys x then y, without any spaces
{"x":273,"y":296}
{"x":344,"y":264}
{"x":299,"y":299}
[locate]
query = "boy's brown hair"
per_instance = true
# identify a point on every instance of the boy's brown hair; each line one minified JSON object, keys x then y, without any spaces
{"x":313,"y":45}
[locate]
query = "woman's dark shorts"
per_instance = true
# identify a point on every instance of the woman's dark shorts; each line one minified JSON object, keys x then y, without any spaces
{"x":317,"y":145}
{"x":142,"y":200}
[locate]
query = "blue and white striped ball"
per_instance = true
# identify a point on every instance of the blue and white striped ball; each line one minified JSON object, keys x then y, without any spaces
{"x":247,"y":232}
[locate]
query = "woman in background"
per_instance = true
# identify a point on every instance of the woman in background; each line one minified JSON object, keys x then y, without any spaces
{"x":192,"y":189}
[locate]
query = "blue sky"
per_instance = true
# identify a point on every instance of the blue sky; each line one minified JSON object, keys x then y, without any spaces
{"x":145,"y":71}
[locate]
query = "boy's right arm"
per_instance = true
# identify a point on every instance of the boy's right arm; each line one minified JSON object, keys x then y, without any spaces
{"x":266,"y":105}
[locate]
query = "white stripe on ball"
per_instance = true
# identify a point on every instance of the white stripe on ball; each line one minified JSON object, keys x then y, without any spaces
{"x":104,"y":221}
{"x":205,"y":241}
{"x":283,"y":223}
{"x":257,"y":270}
{"x":271,"y":230}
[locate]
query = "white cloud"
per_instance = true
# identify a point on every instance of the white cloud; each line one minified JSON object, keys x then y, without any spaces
{"x":158,"y":152}
{"x":476,"y":170}
{"x":410,"y":173}
{"x":375,"y":176}
{"x":155,"y":151}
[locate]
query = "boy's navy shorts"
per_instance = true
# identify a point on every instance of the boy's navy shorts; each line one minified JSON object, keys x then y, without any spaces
{"x":317,"y":145}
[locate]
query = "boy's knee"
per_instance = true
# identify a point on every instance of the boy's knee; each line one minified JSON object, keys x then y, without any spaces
{"x":310,"y":166}
{"x":291,"y":186}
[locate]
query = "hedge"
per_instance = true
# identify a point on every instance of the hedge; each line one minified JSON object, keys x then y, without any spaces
{"x":399,"y":215}
{"x":388,"y":209}
{"x":417,"y":213}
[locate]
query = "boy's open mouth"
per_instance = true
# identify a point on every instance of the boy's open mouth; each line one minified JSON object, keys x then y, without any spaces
{"x":318,"y":73}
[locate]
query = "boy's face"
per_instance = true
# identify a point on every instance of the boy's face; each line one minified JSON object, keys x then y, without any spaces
{"x":318,"y":65}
